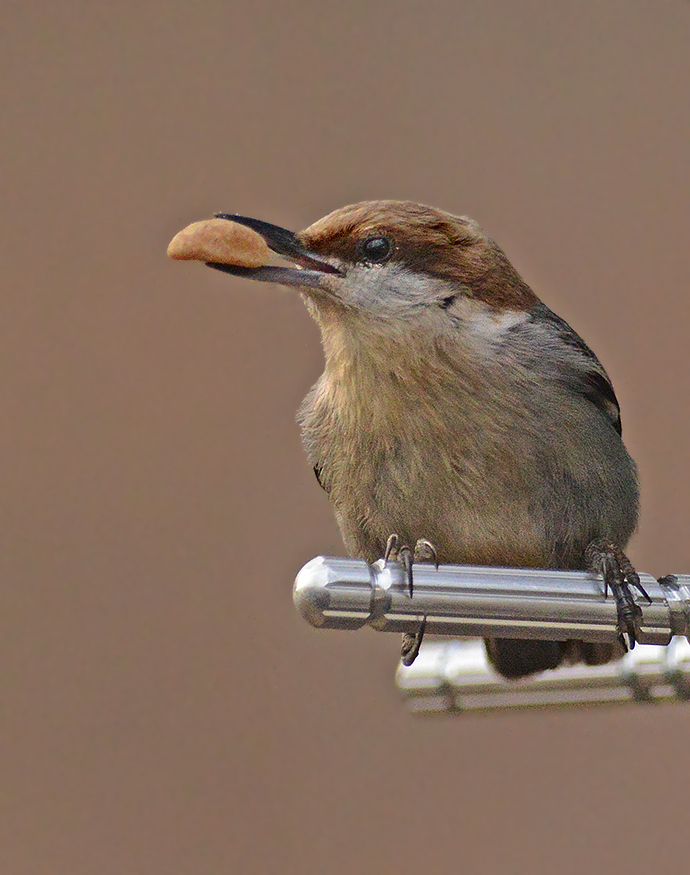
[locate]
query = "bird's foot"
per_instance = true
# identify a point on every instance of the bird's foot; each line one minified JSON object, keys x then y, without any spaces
{"x":424,"y":551}
{"x":606,"y":559}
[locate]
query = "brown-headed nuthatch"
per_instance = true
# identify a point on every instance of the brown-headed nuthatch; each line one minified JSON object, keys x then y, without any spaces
{"x":456,"y":410}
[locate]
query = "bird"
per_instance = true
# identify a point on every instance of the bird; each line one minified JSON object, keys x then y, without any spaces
{"x":457,"y":412}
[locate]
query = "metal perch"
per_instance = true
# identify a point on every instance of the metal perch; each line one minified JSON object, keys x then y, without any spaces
{"x":476,"y":602}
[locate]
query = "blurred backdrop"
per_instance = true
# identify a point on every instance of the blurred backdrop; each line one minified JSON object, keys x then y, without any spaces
{"x":164,"y":709}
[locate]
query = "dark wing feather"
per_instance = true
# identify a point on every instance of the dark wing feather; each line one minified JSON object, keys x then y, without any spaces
{"x":592,"y":382}
{"x":317,"y":472}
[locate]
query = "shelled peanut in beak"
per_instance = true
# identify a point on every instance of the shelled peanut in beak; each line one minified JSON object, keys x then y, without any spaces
{"x":242,"y":246}
{"x":220,"y":241}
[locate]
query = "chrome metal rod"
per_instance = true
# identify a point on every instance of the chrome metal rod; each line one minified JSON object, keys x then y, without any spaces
{"x":473,"y":601}
{"x":454,"y":677}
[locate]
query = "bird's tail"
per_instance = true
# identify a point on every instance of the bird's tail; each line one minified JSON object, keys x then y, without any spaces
{"x":514,"y":658}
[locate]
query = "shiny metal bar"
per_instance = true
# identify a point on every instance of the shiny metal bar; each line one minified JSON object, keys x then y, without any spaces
{"x":454,"y":677}
{"x":473,"y":601}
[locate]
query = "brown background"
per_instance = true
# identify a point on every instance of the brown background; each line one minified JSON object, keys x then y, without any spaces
{"x":164,"y":709}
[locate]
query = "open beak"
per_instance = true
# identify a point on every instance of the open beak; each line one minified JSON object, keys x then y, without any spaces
{"x":311,"y":270}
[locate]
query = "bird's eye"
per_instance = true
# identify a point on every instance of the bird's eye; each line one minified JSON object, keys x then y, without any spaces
{"x":376,"y":250}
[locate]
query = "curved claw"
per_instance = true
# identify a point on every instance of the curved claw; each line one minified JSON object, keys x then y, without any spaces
{"x":411,"y":643}
{"x":405,"y":559}
{"x":424,"y":551}
{"x":638,"y":586}
{"x":392,"y":546}
{"x":629,"y":619}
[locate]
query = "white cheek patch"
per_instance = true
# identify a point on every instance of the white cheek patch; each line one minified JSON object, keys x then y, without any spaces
{"x":390,"y":290}
{"x":489,"y":326}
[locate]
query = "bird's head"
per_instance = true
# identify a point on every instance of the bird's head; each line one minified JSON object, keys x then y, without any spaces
{"x":390,"y":260}
{"x":391,"y":268}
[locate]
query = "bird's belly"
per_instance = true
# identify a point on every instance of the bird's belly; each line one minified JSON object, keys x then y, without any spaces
{"x":504,"y":509}
{"x":470,"y":517}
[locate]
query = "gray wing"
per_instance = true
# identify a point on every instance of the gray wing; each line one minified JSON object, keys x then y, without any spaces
{"x":581,"y":371}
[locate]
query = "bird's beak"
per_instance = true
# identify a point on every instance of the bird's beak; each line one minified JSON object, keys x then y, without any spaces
{"x":311,"y":271}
